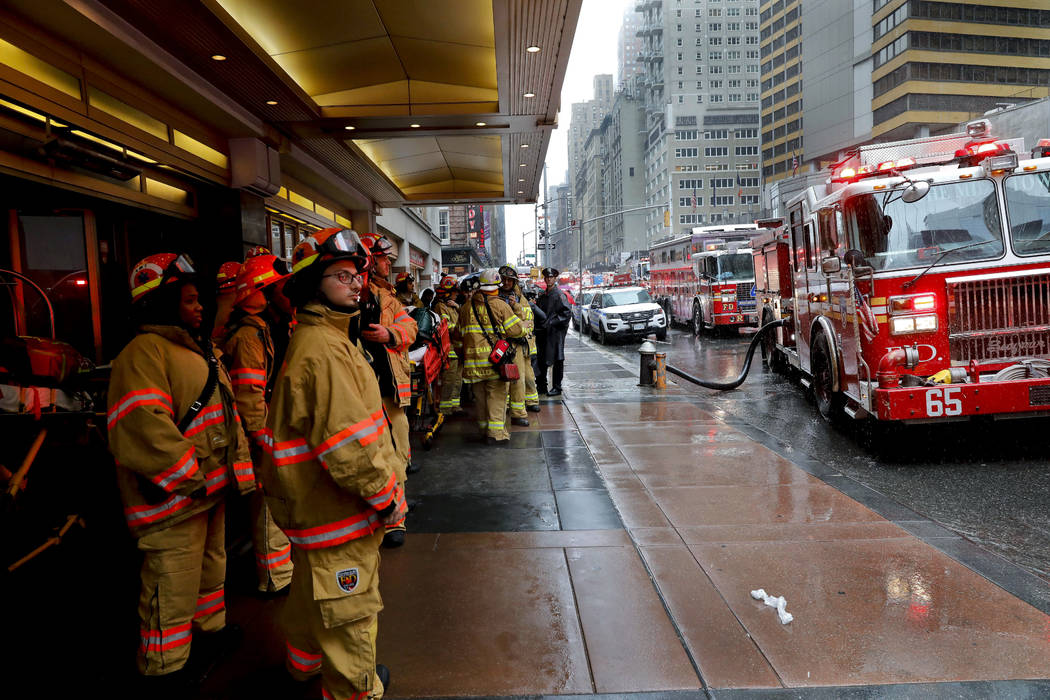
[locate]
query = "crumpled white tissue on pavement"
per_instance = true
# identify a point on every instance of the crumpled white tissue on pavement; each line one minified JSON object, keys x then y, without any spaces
{"x":779,"y":603}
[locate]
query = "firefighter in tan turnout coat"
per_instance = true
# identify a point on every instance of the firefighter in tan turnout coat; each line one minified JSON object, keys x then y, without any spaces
{"x":329,"y":472}
{"x":249,"y":355}
{"x":173,"y":472}
{"x":387,"y":332}
{"x":477,"y":332}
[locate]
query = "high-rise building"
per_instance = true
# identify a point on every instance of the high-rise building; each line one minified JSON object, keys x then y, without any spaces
{"x":781,"y":50}
{"x":701,"y":93}
{"x":611,"y":180}
{"x":587,"y":116}
{"x":629,"y":46}
{"x":882,"y":70}
{"x":559,"y":217}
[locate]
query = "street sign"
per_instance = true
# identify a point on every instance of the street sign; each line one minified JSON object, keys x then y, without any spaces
{"x":545,"y":246}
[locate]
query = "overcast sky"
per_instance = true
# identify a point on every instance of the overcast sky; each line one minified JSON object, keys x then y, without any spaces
{"x":593,"y":52}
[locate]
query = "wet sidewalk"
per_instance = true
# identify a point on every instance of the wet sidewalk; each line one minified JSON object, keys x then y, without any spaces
{"x":611,"y":548}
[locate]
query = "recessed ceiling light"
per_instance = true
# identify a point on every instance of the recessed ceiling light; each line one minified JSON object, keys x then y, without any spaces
{"x":521,"y":179}
{"x":530,"y":94}
{"x":348,"y":127}
{"x":533,"y":49}
{"x":271,"y":102}
{"x":524,"y":145}
{"x":414,"y":126}
{"x":520,"y":192}
{"x":218,"y":57}
{"x":521,"y":165}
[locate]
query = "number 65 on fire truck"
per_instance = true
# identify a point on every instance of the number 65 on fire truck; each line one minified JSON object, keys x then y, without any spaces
{"x":916,"y":285}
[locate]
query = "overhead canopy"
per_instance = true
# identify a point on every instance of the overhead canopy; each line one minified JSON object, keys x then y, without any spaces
{"x":408,"y":101}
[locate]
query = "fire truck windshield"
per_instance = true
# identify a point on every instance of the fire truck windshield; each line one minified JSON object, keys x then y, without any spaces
{"x":893,"y":234}
{"x":736,"y":267}
{"x":1028,"y":205}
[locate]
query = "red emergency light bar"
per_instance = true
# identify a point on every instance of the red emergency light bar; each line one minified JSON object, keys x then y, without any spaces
{"x":1042,"y":149}
{"x":966,"y":157}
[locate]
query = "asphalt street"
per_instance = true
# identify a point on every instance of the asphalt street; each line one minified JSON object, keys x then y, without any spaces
{"x":987,"y":481}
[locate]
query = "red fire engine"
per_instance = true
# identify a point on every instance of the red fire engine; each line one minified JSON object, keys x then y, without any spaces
{"x":916,"y":285}
{"x":705,"y":297}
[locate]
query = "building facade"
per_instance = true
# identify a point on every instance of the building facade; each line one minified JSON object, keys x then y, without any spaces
{"x":629,"y":48}
{"x":702,"y":97}
{"x":781,"y":55}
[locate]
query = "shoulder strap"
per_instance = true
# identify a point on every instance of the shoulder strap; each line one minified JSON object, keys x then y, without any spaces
{"x":475,"y":310}
{"x":492,"y":318}
{"x":209,"y":389}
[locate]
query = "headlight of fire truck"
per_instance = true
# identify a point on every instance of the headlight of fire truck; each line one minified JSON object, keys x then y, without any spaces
{"x":903,"y":317}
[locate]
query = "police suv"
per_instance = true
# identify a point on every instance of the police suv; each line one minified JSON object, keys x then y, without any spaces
{"x":624,"y":312}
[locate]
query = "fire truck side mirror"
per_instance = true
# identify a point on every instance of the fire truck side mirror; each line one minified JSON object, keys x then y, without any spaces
{"x":915,"y":191}
{"x":831,"y":266}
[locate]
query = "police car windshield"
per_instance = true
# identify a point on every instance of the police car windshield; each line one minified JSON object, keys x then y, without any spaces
{"x":626,"y":296}
{"x":737,"y":267}
{"x":893,"y":234}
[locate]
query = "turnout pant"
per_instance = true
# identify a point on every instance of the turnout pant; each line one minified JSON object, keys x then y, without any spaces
{"x":330,"y":630}
{"x":517,"y":388}
{"x":532,"y":396}
{"x":451,"y":386}
{"x":399,"y":431}
{"x":183,"y":572}
{"x":490,"y":402}
{"x":273,"y":552}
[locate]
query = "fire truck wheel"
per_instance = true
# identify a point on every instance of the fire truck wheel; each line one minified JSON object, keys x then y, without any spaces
{"x":773,"y":359}
{"x":829,"y":402}
{"x":698,"y":320}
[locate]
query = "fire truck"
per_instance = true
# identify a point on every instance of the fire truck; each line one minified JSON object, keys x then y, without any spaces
{"x":675,"y":282}
{"x":915,"y":286}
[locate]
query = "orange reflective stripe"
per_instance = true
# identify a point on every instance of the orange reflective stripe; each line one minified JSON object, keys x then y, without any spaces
{"x":135,"y":399}
{"x":247,"y":375}
{"x":184,"y":468}
{"x":210,"y":604}
{"x":138,"y":516}
{"x":243,"y":471}
{"x":275,"y":560}
{"x":302,"y":660}
{"x":215,"y":480}
{"x":163,"y":640}
{"x":366,"y":431}
{"x":210,"y":415}
{"x":360,"y":525}
{"x":385,"y":496}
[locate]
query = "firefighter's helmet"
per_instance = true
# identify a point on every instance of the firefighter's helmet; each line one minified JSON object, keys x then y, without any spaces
{"x":490,"y":279}
{"x":446,"y":286}
{"x":158,"y":269}
{"x":508,"y":272}
{"x":226,"y":279}
{"x":258,"y":273}
{"x":469,"y":283}
{"x":313,"y":254}
{"x":327,"y":245}
{"x":255,"y":251}
{"x":401,"y":278}
{"x":378,"y":244}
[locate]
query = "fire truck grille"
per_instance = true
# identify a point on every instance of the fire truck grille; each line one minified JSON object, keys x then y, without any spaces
{"x":999,"y":319}
{"x":745,"y":299}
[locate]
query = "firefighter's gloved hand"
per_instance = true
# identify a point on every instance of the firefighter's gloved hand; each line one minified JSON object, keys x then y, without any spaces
{"x":395,"y":512}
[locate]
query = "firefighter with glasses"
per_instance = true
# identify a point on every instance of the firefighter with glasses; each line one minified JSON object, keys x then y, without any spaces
{"x":249,"y":354}
{"x":178,"y":446}
{"x":329,"y":472}
{"x":388,"y":332}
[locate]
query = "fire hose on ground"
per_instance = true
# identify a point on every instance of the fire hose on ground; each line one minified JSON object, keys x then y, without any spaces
{"x":651,"y":365}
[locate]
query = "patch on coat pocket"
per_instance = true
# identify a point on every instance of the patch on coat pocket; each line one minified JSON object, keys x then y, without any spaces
{"x":347,"y":579}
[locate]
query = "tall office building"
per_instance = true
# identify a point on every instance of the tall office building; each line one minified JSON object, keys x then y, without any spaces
{"x":585,"y":117}
{"x":629,"y":48}
{"x":883,"y":70}
{"x":781,"y":47}
{"x":701,"y":93}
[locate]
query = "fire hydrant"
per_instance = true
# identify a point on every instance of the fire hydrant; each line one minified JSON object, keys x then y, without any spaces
{"x":646,"y":364}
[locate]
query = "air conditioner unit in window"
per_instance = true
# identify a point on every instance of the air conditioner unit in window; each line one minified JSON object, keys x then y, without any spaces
{"x":254,"y":167}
